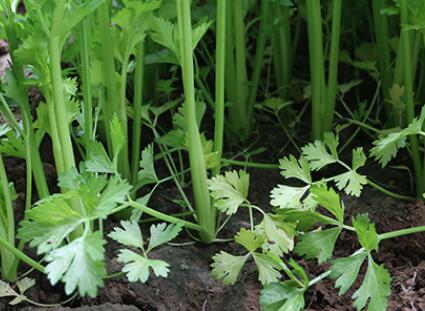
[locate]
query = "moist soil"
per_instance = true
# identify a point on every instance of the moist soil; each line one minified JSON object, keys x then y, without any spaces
{"x":190,"y":286}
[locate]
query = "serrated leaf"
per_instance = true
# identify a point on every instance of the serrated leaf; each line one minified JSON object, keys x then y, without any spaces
{"x":229,"y":191}
{"x":129,"y":234}
{"x":199,"y":31}
{"x":288,"y":197}
{"x":249,"y":239}
{"x":318,"y":244}
{"x":293,"y":168}
{"x":79,"y":264}
{"x":226,"y":267}
{"x":49,"y":223}
{"x":279,"y":235}
{"x":320,"y":154}
{"x":375,"y":289}
{"x":386,"y":148}
{"x":117,"y":135}
{"x":330,"y":200}
{"x":351,"y":182}
{"x":147,"y":174}
{"x":162,"y":233}
{"x":97,"y":159}
{"x":115,"y":193}
{"x":285,"y":296}
{"x":268,"y":269}
{"x":345,"y":270}
{"x":6,"y":290}
{"x":359,"y":158}
{"x":137,"y":267}
{"x":366,"y":232}
{"x":25,"y":284}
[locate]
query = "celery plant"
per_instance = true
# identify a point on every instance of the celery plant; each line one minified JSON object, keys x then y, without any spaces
{"x":205,"y":212}
{"x":323,"y":91}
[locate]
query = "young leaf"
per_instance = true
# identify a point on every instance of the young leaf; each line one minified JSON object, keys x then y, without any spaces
{"x":79,"y":264}
{"x":285,"y":296}
{"x":386,"y":148}
{"x":23,"y":285}
{"x":318,"y":244}
{"x":279,"y":235}
{"x":162,"y":233}
{"x":98,"y":160}
{"x":293,"y":168}
{"x":366,"y":232}
{"x":319,"y":154}
{"x":49,"y":223}
{"x":229,"y":190}
{"x":115,"y":193}
{"x":351,"y":182}
{"x":268,"y":269}
{"x":147,"y":174}
{"x":226,"y":267}
{"x":330,"y":200}
{"x":249,"y":240}
{"x":129,"y":234}
{"x":375,"y":289}
{"x":359,"y":158}
{"x":117,"y":135}
{"x":137,"y":267}
{"x":345,"y":270}
{"x":287,"y":197}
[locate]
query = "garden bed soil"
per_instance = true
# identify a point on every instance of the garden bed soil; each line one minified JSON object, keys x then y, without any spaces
{"x":191,"y":287}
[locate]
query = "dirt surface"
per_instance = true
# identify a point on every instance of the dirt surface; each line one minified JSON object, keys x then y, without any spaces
{"x":191,"y":287}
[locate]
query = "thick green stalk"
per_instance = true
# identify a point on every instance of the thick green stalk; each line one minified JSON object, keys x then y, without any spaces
{"x":219,"y":80}
{"x":8,"y":268}
{"x":18,"y":72}
{"x":204,"y":210}
{"x":108,"y":66}
{"x":241,"y":125}
{"x":315,"y":44}
{"x":123,"y":160}
{"x":282,"y":49}
{"x":259,"y":56}
{"x":410,"y":105}
{"x":333,"y":66}
{"x":57,"y":88}
{"x":85,"y":80}
{"x":383,"y":51}
{"x":137,"y":108}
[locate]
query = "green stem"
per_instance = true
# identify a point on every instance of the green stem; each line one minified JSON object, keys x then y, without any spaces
{"x":382,"y":39}
{"x":219,"y":81}
{"x":137,"y":107}
{"x":315,"y":44}
{"x":165,"y":217}
{"x":7,"y":259}
{"x":250,"y":164}
{"x":410,"y":105}
{"x":259,"y":56}
{"x":388,"y":192}
{"x":108,"y":66}
{"x":204,"y":210}
{"x":333,"y":65}
{"x":86,"y":81}
{"x":398,"y":233}
{"x":123,"y":165}
{"x":28,"y":260}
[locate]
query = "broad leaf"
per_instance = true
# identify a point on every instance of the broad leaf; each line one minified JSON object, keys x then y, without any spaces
{"x":138,"y":267}
{"x":268,"y":268}
{"x":366,"y":232}
{"x":79,"y":264}
{"x":345,"y":270}
{"x":129,"y":234}
{"x":147,"y":174}
{"x":162,"y":233}
{"x":293,"y":168}
{"x":226,"y":267}
{"x":318,"y":244}
{"x":285,"y":296}
{"x":375,"y":289}
{"x":288,"y":197}
{"x":229,"y":191}
{"x":249,"y":239}
{"x":330,"y":200}
{"x":351,"y":182}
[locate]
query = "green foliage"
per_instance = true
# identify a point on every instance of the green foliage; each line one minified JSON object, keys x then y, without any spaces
{"x":282,"y":296}
{"x":137,"y":266}
{"x":229,"y":191}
